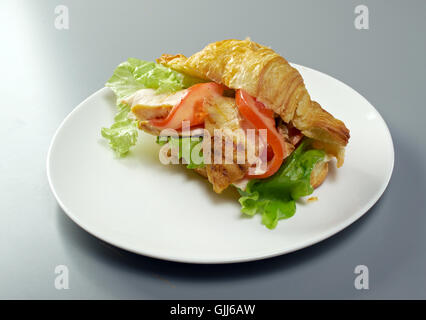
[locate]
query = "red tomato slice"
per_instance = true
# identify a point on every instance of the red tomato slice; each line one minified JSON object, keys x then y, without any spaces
{"x":191,"y":107}
{"x":263,"y":118}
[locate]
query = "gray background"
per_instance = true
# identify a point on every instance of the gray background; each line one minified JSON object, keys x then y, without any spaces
{"x":45,"y":73}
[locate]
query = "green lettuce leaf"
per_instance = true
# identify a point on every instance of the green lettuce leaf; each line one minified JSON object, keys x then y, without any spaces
{"x":123,"y":134}
{"x":134,"y":74}
{"x":185,"y":145}
{"x":129,"y":77}
{"x":275,"y":197}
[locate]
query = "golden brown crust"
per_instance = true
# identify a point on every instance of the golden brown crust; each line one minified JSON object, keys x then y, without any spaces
{"x":315,"y":122}
{"x":243,"y":64}
{"x":318,"y":174}
{"x":331,"y":149}
{"x":178,"y":63}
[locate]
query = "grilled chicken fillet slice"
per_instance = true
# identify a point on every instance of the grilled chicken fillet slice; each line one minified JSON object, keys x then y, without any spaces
{"x":146,"y":104}
{"x":223,"y":114}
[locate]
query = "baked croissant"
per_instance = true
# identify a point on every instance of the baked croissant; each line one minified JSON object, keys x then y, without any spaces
{"x":236,"y":112}
{"x":265,"y":75}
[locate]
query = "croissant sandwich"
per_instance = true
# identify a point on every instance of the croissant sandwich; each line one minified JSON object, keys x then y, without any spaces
{"x":238,"y":114}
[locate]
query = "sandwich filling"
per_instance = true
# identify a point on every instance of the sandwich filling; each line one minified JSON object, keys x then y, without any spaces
{"x":285,"y":165}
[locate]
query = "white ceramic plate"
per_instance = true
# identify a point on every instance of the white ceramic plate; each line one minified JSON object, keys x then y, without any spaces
{"x":171,"y":213}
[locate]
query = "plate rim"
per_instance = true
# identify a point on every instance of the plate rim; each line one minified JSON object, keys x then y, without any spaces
{"x":237,"y":259}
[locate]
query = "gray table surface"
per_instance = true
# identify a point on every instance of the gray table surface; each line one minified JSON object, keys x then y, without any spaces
{"x":46,"y":72}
